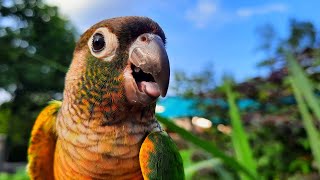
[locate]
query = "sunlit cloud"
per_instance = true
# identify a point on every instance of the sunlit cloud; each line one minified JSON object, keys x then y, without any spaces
{"x":86,"y":13}
{"x":261,"y":10}
{"x":202,"y":13}
{"x":72,"y":7}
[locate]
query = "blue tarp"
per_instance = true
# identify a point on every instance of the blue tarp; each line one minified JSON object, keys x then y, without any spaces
{"x":175,"y":106}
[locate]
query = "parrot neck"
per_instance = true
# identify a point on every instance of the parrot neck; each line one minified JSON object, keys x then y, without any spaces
{"x":96,"y":91}
{"x":108,"y":110}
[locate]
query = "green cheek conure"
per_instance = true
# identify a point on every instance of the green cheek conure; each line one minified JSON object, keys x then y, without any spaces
{"x":105,"y":127}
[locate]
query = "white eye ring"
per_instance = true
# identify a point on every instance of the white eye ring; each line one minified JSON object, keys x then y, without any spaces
{"x":107,"y":48}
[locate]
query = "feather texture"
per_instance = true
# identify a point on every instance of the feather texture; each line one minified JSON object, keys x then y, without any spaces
{"x":42,"y":143}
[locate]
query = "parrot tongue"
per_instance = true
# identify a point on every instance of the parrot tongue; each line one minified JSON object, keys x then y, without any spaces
{"x":150,"y":88}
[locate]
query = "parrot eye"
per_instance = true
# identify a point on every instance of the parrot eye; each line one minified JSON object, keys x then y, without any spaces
{"x":98,"y":43}
{"x":103,"y":44}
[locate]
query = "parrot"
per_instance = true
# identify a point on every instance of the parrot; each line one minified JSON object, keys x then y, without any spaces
{"x":105,"y":125}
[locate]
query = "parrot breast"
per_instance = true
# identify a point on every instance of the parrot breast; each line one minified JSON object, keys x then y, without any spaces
{"x":86,"y":150}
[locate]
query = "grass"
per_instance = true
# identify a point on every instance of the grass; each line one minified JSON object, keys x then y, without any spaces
{"x":303,"y":92}
{"x":191,"y":167}
{"x":239,"y":137}
{"x":304,"y":84}
{"x":21,"y":174}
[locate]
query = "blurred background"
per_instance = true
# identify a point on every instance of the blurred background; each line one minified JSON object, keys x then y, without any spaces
{"x":244,"y":93}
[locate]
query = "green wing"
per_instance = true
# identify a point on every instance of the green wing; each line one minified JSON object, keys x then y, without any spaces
{"x":159,"y":158}
{"x":42,"y":143}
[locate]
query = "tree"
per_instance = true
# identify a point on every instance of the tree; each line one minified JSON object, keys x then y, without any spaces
{"x":36,"y":46}
{"x":194,"y":85}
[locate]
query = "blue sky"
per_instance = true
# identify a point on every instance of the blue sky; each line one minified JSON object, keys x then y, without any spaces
{"x":202,"y":32}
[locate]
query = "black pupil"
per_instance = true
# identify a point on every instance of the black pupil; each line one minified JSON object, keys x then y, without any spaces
{"x":98,"y":42}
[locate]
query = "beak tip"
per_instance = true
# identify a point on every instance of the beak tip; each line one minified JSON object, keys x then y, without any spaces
{"x":163,"y":85}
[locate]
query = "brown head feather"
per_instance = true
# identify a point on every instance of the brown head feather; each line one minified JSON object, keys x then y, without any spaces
{"x":127,"y":29}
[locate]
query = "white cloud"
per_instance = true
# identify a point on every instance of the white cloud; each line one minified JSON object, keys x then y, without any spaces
{"x":211,"y":12}
{"x":260,"y":10}
{"x":202,"y":13}
{"x":71,"y":7}
{"x":84,"y":13}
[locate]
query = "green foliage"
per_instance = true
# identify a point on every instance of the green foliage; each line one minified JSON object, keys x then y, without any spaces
{"x":303,"y":34}
{"x":239,"y":137}
{"x":303,"y":89}
{"x":312,"y":132}
{"x":4,"y":116}
{"x":210,"y":163}
{"x":185,"y":83}
{"x":194,"y":169}
{"x":37,"y":45}
{"x":186,"y":157}
{"x":303,"y":84}
{"x":21,"y":174}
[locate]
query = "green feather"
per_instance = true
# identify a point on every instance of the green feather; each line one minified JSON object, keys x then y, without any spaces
{"x":164,"y":161}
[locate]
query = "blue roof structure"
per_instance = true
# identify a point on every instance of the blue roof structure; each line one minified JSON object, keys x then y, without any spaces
{"x":246,"y":104}
{"x":177,"y":107}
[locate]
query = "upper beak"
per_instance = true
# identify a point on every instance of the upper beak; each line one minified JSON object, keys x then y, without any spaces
{"x":148,"y":53}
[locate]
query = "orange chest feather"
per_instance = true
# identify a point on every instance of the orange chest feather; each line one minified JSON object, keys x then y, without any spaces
{"x":110,"y":152}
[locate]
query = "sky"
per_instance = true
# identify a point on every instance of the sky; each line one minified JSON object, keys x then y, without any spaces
{"x":221,"y":35}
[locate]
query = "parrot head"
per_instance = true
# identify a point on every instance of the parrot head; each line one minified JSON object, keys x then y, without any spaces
{"x":119,"y":63}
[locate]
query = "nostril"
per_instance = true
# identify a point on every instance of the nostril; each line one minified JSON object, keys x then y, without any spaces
{"x":143,"y":38}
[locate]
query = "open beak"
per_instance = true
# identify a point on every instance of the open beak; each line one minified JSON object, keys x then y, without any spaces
{"x":149,"y":67}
